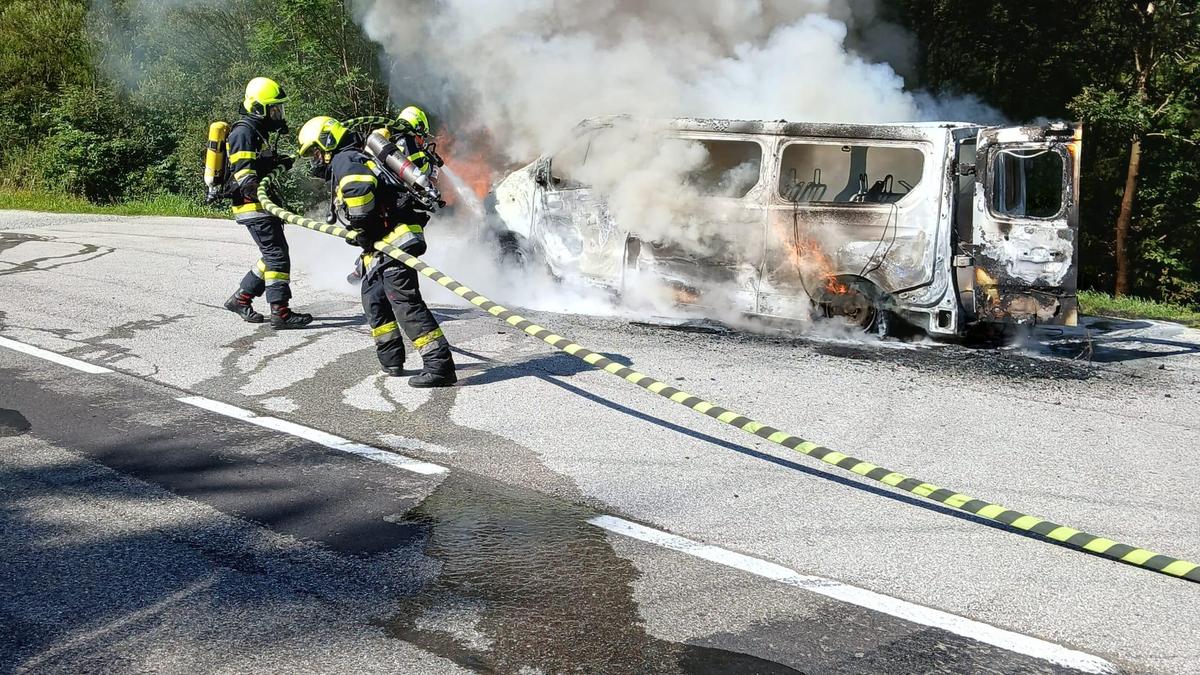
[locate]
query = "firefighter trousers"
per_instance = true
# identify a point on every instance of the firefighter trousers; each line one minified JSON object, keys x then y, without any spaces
{"x":391,"y":298}
{"x":272,"y":273}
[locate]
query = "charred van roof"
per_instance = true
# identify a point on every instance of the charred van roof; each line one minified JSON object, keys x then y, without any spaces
{"x":890,"y":130}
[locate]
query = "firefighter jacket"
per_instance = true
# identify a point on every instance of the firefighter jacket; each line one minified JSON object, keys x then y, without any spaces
{"x":367,"y":200}
{"x":249,"y":161}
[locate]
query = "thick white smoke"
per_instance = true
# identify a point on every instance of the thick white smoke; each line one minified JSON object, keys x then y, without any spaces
{"x":523,"y":73}
{"x":528,"y":70}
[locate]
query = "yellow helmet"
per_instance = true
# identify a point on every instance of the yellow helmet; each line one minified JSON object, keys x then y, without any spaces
{"x":261,"y":93}
{"x":415,"y":118}
{"x":320,"y":132}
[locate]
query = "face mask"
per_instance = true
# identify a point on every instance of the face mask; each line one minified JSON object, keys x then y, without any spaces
{"x":274,"y":121}
{"x":319,"y":169}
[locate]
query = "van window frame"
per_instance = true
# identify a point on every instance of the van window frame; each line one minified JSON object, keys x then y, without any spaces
{"x":923,"y":147}
{"x":763,"y":156}
{"x":989,"y":183}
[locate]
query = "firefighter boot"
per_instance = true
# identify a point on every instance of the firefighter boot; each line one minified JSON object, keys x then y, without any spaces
{"x":239,"y":303}
{"x":393,"y":371}
{"x":283,"y":318}
{"x":426,"y":380}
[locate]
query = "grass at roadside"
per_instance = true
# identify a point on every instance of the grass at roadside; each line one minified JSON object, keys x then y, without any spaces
{"x":1103,"y":304}
{"x":161,"y":205}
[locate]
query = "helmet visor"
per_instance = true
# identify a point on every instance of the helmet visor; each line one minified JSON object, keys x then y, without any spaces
{"x":275,"y":112}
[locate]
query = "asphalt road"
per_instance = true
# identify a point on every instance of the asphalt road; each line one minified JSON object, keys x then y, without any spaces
{"x":542,"y":517}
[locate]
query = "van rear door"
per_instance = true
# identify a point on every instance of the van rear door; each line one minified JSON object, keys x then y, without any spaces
{"x":1026,"y":224}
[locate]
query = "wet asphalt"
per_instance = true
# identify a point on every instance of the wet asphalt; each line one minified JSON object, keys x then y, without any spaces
{"x":142,"y":535}
{"x":459,"y":568}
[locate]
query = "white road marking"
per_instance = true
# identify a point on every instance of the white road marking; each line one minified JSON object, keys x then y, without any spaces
{"x":104,"y":633}
{"x":926,"y":616}
{"x":320,"y":437}
{"x":51,"y":356}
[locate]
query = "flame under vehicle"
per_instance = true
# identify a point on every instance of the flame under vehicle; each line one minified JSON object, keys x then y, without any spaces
{"x":944,"y":226}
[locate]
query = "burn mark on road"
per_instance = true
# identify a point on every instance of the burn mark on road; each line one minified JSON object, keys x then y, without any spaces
{"x":85,"y":253}
{"x":988,"y":362}
{"x":972,"y":361}
{"x":13,"y":423}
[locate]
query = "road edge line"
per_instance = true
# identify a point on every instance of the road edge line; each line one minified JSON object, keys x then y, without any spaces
{"x":54,"y":357}
{"x":861,"y":597}
{"x":316,"y":436}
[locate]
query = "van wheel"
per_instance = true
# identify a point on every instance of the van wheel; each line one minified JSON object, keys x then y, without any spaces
{"x":854,"y":303}
{"x":858,"y":304}
{"x":513,"y":253}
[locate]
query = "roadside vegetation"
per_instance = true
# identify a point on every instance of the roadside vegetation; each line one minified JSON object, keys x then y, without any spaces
{"x":107,"y":102}
{"x":1095,"y":303}
{"x":165,"y":204}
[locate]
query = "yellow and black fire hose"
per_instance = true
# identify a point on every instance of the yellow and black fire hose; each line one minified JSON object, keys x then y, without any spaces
{"x":1032,"y":525}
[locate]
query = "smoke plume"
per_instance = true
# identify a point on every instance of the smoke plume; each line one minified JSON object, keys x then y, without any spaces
{"x":519,"y":76}
{"x":527,"y":71}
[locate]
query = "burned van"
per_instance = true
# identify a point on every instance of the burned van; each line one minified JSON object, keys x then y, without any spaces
{"x":945,"y":226}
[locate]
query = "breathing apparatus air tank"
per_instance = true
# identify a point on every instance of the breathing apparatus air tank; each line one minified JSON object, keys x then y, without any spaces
{"x":382,"y":148}
{"x":214,"y":159}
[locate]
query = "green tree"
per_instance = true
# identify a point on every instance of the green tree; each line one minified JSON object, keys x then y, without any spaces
{"x":45,"y":51}
{"x":1083,"y":59}
{"x":1146,"y":98}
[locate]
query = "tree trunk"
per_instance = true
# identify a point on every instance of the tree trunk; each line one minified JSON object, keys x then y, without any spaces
{"x":1143,"y":63}
{"x":1126,"y":217}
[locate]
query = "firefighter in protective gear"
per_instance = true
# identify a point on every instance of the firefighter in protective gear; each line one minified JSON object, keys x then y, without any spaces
{"x":412,"y":142}
{"x":368,"y":201}
{"x":251,"y":159}
{"x":411,"y":145}
{"x":416,"y":119}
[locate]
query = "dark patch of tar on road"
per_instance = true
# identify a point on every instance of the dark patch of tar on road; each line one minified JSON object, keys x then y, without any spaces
{"x":543,"y":591}
{"x":834,"y":643}
{"x":13,"y":423}
{"x":86,"y":252}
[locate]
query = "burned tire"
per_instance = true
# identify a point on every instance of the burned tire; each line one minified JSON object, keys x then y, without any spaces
{"x":515,"y":252}
{"x":855,"y":303}
{"x":512,"y":250}
{"x":854,"y":311}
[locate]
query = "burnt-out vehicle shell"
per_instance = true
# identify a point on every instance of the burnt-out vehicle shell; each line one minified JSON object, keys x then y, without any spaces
{"x":970,"y":226}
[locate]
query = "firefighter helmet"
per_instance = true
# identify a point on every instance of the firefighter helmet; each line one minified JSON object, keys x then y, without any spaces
{"x":416,"y":118}
{"x":322,"y":132}
{"x":261,"y":94}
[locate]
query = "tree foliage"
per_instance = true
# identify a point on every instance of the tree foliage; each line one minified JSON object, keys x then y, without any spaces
{"x":113,"y":97}
{"x":1082,"y":59}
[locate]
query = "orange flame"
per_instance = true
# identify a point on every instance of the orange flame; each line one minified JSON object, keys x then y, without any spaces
{"x":811,"y":262}
{"x":470,"y":165}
